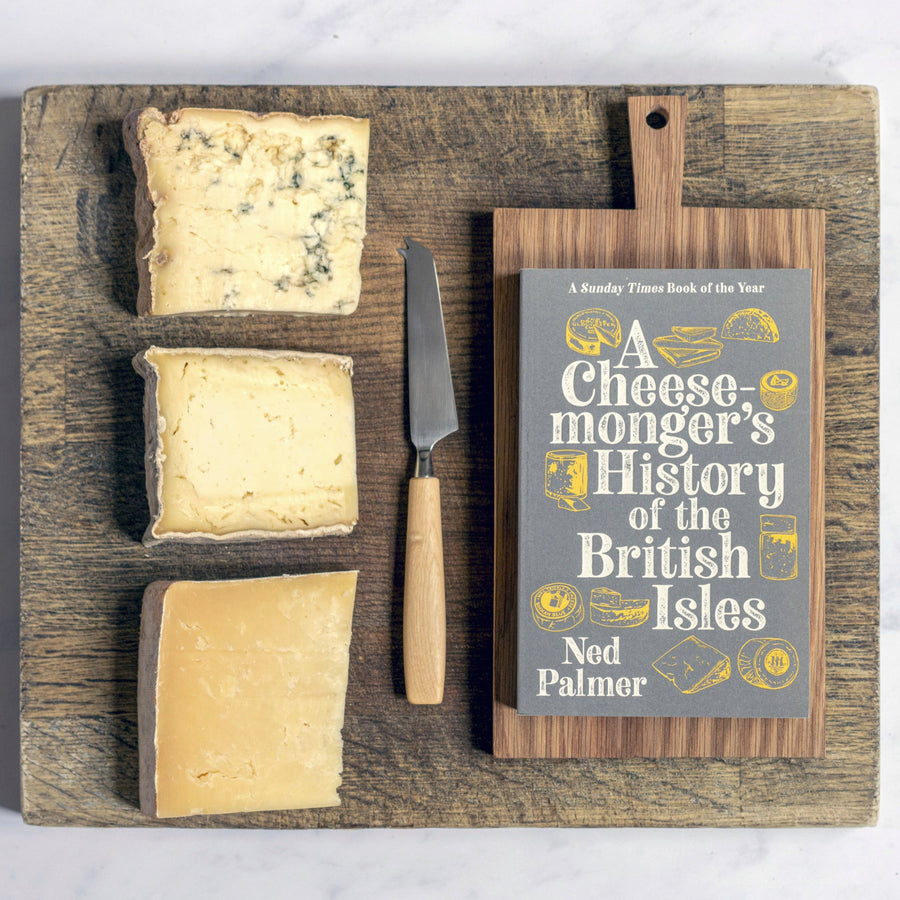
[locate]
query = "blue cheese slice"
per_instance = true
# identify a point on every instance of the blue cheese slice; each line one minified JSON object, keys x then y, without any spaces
{"x":238,"y":212}
{"x":248,"y":444}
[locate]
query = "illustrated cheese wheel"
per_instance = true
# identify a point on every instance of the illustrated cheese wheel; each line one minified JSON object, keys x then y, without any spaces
{"x":769,"y":663}
{"x":750,"y":325}
{"x":778,"y":389}
{"x":587,"y":331}
{"x":557,"y":607}
{"x":611,"y":611}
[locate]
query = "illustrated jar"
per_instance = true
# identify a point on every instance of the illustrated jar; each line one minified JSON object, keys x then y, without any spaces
{"x":778,"y":547}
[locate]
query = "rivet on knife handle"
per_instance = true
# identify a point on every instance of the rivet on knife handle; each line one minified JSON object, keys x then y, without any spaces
{"x":432,"y":416}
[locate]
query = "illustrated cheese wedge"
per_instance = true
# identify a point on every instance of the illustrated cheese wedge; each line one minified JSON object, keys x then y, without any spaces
{"x":238,"y":212}
{"x":611,"y":611}
{"x":248,"y":444}
{"x":750,"y":324}
{"x":693,"y":666}
{"x":241,"y":690}
{"x":689,"y":346}
{"x":587,"y":331}
{"x":694,"y":333}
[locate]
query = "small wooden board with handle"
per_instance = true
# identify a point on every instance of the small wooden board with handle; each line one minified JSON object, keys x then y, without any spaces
{"x":659,"y":233}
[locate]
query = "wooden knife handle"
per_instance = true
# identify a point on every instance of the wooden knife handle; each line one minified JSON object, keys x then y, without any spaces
{"x":424,"y":616}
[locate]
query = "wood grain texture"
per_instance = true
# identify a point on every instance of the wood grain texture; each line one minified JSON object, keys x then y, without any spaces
{"x":424,"y":601}
{"x":658,"y":233}
{"x":442,"y":159}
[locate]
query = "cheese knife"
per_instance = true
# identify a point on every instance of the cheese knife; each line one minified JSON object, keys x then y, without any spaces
{"x":432,"y":416}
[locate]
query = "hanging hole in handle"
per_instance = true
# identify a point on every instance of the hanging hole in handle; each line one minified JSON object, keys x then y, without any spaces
{"x":658,"y":118}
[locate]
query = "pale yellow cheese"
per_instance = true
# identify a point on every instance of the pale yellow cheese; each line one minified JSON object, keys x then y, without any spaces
{"x":241,"y":691}
{"x":238,"y":212}
{"x":248,"y":444}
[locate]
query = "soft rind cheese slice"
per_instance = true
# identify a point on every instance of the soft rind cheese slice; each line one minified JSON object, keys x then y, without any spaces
{"x":248,"y":444}
{"x":238,"y":212}
{"x":241,"y":693}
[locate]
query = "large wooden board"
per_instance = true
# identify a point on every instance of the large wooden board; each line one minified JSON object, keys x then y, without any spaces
{"x":659,"y":233}
{"x":442,"y":160}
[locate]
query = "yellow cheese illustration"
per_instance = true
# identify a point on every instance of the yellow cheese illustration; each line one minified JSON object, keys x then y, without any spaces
{"x":750,"y":324}
{"x":778,"y":547}
{"x":565,"y":478}
{"x":778,"y":389}
{"x":589,"y":330}
{"x":241,"y":690}
{"x":694,"y":333}
{"x":557,"y":607}
{"x":611,"y":611}
{"x":693,"y":666}
{"x":689,"y":345}
{"x":248,"y":444}
{"x":768,"y":663}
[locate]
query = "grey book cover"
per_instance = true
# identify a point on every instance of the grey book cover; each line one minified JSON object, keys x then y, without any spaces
{"x":664,"y":472}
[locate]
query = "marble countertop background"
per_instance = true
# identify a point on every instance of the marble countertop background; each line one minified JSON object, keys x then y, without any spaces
{"x":455,"y":42}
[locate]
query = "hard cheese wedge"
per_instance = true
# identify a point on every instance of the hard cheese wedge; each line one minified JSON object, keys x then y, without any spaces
{"x":248,"y":444}
{"x":241,"y":691}
{"x":238,"y":212}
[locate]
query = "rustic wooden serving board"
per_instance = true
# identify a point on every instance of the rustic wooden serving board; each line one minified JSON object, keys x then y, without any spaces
{"x":442,"y":160}
{"x":659,"y":233}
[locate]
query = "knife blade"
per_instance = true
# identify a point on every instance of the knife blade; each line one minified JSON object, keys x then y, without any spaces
{"x":432,"y":416}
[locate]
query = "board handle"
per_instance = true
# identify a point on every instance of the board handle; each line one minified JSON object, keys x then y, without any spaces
{"x":657,"y":127}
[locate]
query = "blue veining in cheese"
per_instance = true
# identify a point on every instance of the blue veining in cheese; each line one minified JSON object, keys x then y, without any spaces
{"x":239,"y":212}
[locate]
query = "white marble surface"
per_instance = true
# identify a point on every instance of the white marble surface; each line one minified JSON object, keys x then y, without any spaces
{"x":452,"y":42}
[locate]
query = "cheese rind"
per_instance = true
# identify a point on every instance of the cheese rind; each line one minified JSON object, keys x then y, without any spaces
{"x":241,"y":693}
{"x":248,"y":444}
{"x":238,"y":212}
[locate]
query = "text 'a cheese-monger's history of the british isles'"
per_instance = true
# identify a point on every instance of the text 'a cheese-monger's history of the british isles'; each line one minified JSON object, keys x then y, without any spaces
{"x":664,"y":500}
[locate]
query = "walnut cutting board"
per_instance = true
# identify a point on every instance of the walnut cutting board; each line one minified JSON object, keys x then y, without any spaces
{"x":442,"y":159}
{"x":658,"y":233}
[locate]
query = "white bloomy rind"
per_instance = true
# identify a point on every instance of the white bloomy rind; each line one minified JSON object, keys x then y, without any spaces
{"x":248,"y":445}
